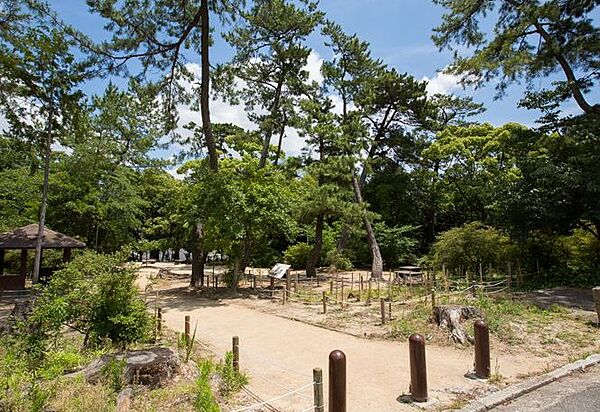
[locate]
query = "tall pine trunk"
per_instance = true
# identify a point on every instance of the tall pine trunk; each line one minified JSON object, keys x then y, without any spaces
{"x":315,"y":254}
{"x":41,"y":225}
{"x":198,"y":261}
{"x":213,"y":157}
{"x":377,"y":264}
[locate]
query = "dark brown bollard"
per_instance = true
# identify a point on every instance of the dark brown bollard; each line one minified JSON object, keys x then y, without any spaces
{"x":482,"y":350}
{"x":418,"y":368}
{"x":337,"y":381}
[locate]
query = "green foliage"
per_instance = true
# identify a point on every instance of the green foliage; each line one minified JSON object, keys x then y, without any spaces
{"x":231,"y":381}
{"x":467,"y":246}
{"x":336,"y":259}
{"x":530,"y":40}
{"x":112,"y":374}
{"x":205,"y":400}
{"x":96,"y":295}
{"x":297,"y":255}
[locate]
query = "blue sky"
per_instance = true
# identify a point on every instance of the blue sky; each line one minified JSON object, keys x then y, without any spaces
{"x":399,"y":32}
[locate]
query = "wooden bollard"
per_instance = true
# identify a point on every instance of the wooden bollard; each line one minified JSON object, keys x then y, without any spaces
{"x":158,"y":320}
{"x":482,"y":350}
{"x":418,"y":368}
{"x":331,"y":287}
{"x":596,"y":293}
{"x":324,"y":303}
{"x":342,"y":297}
{"x":351,"y":281}
{"x":235,"y":348}
{"x":319,"y":402}
{"x":382,"y":304}
{"x":361,"y":284}
{"x":187,"y":328}
{"x":288,"y":280}
{"x":296,"y":282}
{"x":369,"y":293}
{"x":337,"y":381}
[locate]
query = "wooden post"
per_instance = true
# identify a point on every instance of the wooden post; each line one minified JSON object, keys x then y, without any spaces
{"x":159,"y":320}
{"x":481,"y":273}
{"x":509,"y":278}
{"x":369,"y":293}
{"x":272,"y":282}
{"x":66,"y":255}
{"x":361,"y":284}
{"x":382,"y":304}
{"x":331,"y":287}
{"x":318,"y":390}
{"x":236,"y":353}
{"x":432,"y":298}
{"x":390,"y":310}
{"x":187,"y":329}
{"x":324,"y":303}
{"x":342,"y":297}
{"x":446,"y":282}
{"x":351,"y":281}
{"x":596,"y":292}
{"x":288,"y":280}
{"x":296,"y":282}
{"x":337,"y":381}
{"x":23,"y":268}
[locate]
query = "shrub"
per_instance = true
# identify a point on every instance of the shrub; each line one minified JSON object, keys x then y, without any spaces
{"x":97,"y":296}
{"x":231,"y":381}
{"x":337,"y":259}
{"x":297,"y":255}
{"x":205,"y":400}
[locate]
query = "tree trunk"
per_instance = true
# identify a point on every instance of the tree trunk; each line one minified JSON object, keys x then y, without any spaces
{"x":315,"y":254}
{"x":198,"y":261}
{"x":269,"y":132}
{"x":236,"y":272}
{"x":199,"y":256}
{"x":41,"y":225}
{"x":377,"y":264}
{"x":280,"y":142}
{"x":213,"y":157}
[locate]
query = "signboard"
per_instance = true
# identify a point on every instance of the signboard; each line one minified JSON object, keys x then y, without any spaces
{"x":279,"y":270}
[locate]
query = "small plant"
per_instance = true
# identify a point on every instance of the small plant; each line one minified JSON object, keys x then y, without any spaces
{"x":112,"y":374}
{"x":187,"y":344}
{"x":496,"y":377}
{"x":231,"y":380}
{"x":205,"y":400}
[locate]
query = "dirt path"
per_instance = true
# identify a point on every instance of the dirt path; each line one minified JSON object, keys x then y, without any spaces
{"x":279,"y":355}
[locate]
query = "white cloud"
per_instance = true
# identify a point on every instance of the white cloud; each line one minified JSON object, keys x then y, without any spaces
{"x":442,"y":83}
{"x":313,"y":66}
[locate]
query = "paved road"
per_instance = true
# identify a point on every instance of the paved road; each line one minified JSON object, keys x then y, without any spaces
{"x":576,"y":393}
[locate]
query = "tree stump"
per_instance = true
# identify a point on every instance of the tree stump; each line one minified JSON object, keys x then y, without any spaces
{"x":150,"y":367}
{"x":452,"y":316}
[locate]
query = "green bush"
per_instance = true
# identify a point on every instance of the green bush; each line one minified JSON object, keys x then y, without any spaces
{"x":97,"y":296}
{"x":337,"y":259}
{"x":112,"y":374}
{"x":470,"y":245}
{"x":297,"y":255}
{"x":205,"y":400}
{"x":231,"y":381}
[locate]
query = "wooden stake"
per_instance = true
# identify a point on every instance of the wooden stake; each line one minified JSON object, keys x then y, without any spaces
{"x":318,"y":390}
{"x":324,"y":303}
{"x":382,"y":304}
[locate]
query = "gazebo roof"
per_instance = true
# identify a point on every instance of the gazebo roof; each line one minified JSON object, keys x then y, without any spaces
{"x":25,"y":238}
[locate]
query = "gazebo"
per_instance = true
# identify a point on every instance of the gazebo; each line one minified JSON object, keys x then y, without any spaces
{"x":24,"y":238}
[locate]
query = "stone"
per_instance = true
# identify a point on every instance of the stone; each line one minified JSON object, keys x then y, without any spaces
{"x":124,"y":400}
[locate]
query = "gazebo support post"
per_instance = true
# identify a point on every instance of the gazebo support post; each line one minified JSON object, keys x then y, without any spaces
{"x":23,"y":269}
{"x":66,"y":255}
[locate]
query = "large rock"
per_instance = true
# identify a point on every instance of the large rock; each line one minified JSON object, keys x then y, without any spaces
{"x":452,"y":316}
{"x":149,"y":367}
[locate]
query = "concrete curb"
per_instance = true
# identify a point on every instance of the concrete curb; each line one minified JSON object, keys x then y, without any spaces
{"x":512,"y":392}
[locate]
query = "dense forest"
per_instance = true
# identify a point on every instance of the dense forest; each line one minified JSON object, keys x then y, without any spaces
{"x":389,"y":174}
